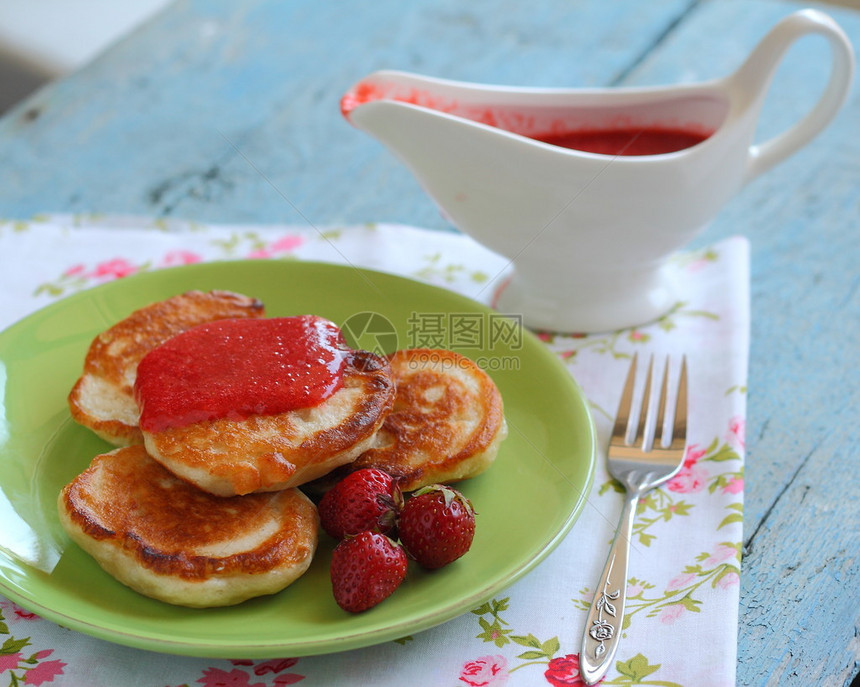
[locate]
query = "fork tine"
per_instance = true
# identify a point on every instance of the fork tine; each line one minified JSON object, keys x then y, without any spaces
{"x":659,"y":430}
{"x":679,"y":426}
{"x":622,"y":418}
{"x":643,"y":412}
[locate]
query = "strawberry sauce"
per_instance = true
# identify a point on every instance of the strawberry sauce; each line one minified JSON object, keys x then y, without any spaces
{"x":238,"y":368}
{"x":652,"y":139}
{"x":633,"y":141}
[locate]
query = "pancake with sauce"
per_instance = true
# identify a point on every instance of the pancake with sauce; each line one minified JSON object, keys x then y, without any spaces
{"x":170,"y":541}
{"x":103,"y":399}
{"x":446,"y":425}
{"x":236,"y":407}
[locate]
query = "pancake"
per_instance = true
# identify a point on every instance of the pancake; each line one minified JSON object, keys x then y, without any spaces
{"x":170,"y":541}
{"x":103,"y":397}
{"x":446,"y":425}
{"x":269,"y":452}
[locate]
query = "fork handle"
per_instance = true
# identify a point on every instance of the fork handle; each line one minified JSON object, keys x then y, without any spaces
{"x":603,"y":624}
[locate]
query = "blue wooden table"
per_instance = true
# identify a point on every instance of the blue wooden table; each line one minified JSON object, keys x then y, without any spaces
{"x":228,"y":112}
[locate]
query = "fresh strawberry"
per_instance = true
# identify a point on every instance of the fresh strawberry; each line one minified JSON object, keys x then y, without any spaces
{"x":366,"y":499}
{"x":365,"y":570}
{"x":436,"y":526}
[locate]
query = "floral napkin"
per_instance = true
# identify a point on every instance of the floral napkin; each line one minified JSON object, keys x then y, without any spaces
{"x":680,"y":625}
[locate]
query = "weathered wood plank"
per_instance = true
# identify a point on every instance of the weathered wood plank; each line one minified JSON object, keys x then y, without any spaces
{"x":229,"y":111}
{"x":799,"y":596}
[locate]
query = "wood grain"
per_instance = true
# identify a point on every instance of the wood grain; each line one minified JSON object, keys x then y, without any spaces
{"x":800,"y":611}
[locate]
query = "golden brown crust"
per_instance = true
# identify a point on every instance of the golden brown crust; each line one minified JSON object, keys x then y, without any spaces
{"x":271,"y":452}
{"x":102,"y":399}
{"x":446,"y":424}
{"x":112,"y":430}
{"x":170,"y":528}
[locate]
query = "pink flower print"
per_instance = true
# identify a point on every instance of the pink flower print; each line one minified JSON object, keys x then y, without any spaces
{"x":736,"y":435}
{"x":215,"y":677}
{"x":698,"y":264}
{"x":180,"y":257}
{"x":18,"y":611}
{"x":260,"y":253}
{"x":693,"y":454}
{"x":680,"y":581}
{"x":728,"y":580}
{"x":689,"y":480}
{"x":671,"y":613}
{"x":638,"y":336}
{"x":75,"y":270}
{"x":116,"y":268}
{"x":278,"y":666}
{"x":735,"y":486}
{"x":287,"y":243}
{"x":275,"y":666}
{"x":634,"y":590}
{"x":25,"y":615}
{"x":44,"y":672}
{"x":486,"y":670}
{"x":564,"y":671}
{"x":723,"y":553}
{"x":9,"y":661}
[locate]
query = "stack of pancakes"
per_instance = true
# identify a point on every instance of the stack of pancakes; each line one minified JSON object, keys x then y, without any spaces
{"x":210,"y":513}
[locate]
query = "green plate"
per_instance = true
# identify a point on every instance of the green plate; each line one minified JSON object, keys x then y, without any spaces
{"x":526,"y":503}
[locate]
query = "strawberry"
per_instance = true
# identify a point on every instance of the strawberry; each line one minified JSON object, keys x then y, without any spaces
{"x":365,"y":570}
{"x":366,"y":499}
{"x":436,"y":526}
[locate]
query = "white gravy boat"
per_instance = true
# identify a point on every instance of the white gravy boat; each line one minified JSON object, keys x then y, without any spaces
{"x":589,"y":235}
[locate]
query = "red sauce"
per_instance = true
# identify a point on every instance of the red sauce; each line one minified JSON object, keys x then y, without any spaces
{"x":238,"y":368}
{"x":629,"y":140}
{"x":632,"y":141}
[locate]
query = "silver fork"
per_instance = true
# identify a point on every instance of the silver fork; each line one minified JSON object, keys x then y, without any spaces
{"x":639,"y":468}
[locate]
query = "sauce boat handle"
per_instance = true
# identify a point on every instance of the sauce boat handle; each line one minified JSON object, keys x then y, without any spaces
{"x":753,"y":77}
